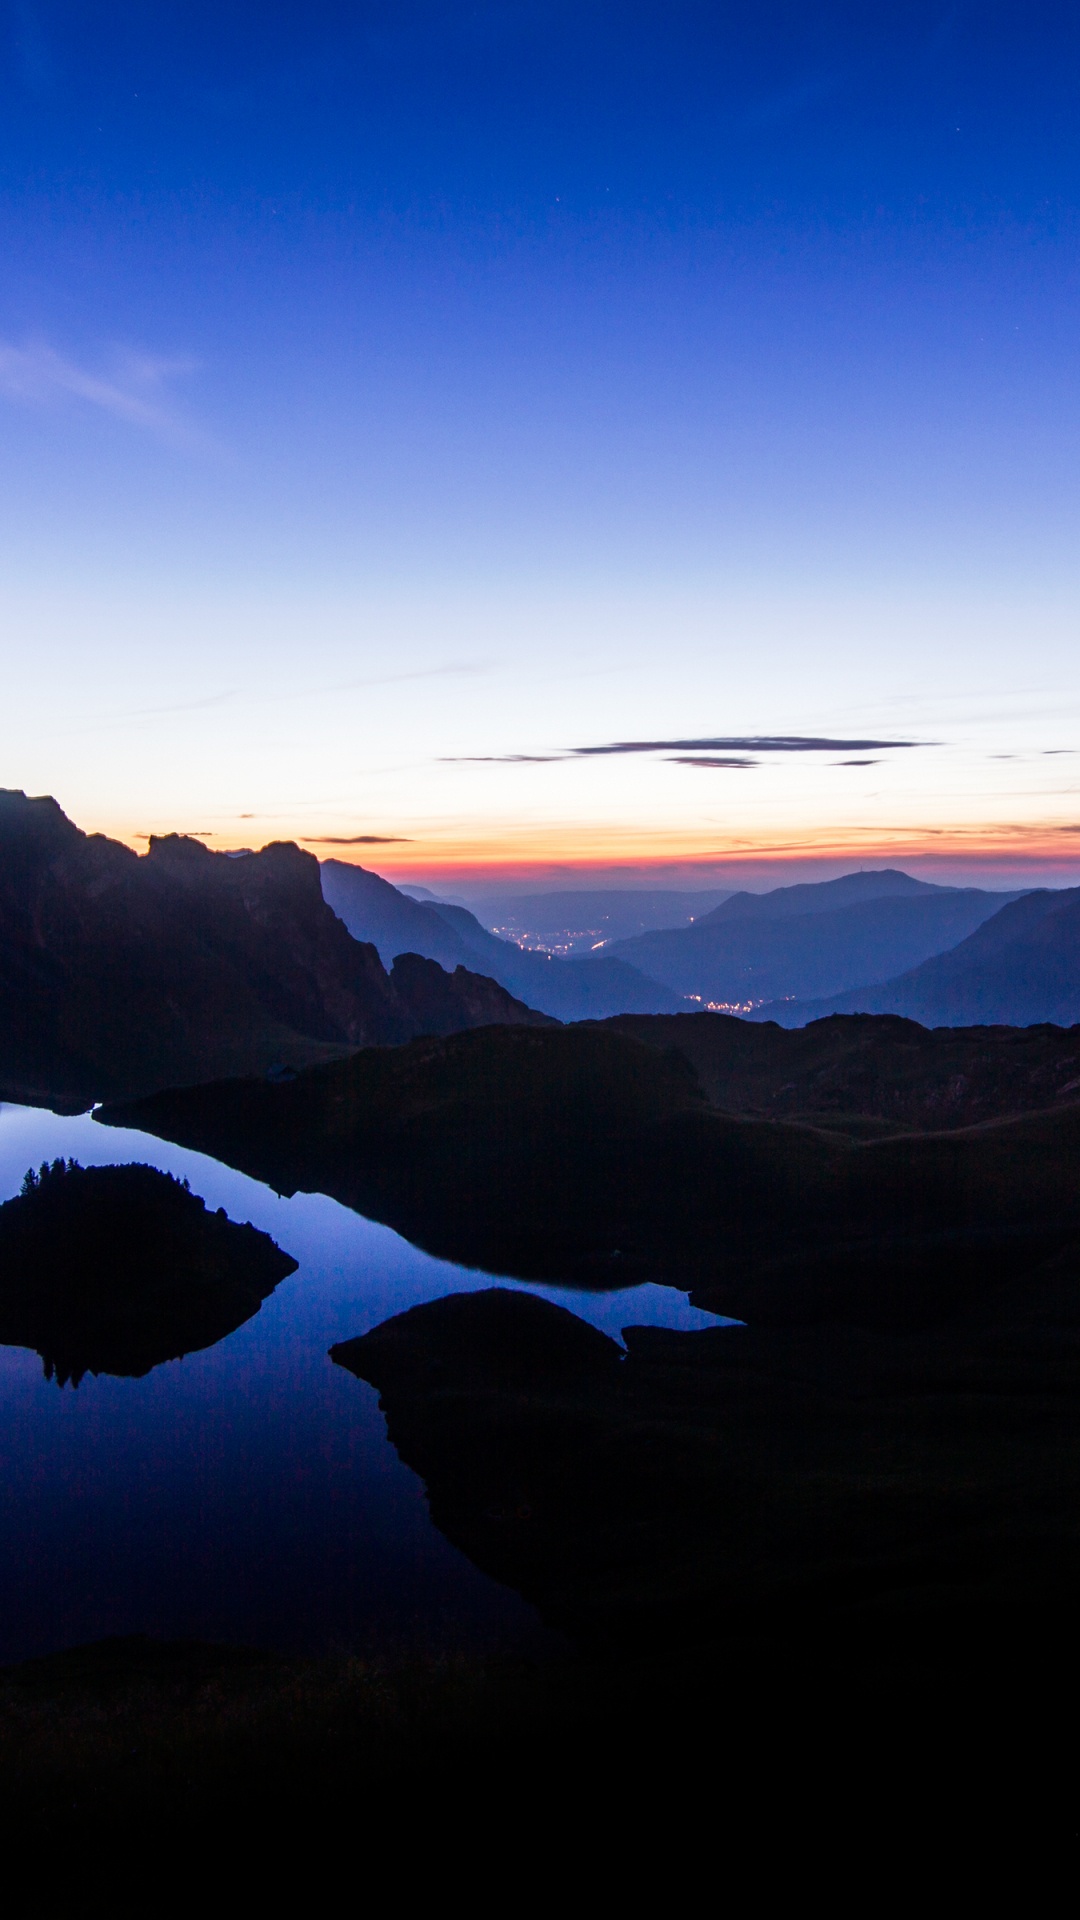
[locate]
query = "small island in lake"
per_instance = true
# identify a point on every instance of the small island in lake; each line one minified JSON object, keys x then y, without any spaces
{"x":116,"y":1269}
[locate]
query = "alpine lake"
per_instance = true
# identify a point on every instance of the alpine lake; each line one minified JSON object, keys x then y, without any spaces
{"x":246,"y":1493}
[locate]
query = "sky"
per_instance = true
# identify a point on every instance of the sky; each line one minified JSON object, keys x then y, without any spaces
{"x":546,"y":442}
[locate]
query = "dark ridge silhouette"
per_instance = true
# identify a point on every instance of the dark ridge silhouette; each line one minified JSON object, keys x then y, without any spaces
{"x":812,"y":939}
{"x":583,"y":1155}
{"x":568,"y":989}
{"x":438,"y":1002}
{"x":779,"y":1479}
{"x":115,"y":1269}
{"x":467,"y":1148}
{"x":376,"y":912}
{"x":870,"y":1074}
{"x":822,"y":896}
{"x":119,"y":973}
{"x":1020,"y":968}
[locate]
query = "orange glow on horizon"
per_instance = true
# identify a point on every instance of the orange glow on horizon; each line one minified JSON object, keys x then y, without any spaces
{"x":556,"y":855}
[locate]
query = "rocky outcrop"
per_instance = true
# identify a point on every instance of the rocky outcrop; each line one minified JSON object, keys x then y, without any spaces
{"x":121,"y":973}
{"x":439,"y":1002}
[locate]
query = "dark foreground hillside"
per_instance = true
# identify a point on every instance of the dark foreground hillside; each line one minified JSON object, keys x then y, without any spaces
{"x":816,"y":1574}
{"x":120,"y":973}
{"x":581,"y":1154}
{"x":175,"y":1773}
{"x":884,"y":1072}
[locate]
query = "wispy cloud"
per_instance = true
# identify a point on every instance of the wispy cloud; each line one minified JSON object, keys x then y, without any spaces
{"x":451,"y":670}
{"x":182,"y":706}
{"x":135,"y":391}
{"x":355,"y":840}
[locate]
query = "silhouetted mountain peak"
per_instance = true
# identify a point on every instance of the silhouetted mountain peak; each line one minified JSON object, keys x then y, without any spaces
{"x":36,"y":829}
{"x":1021,"y":967}
{"x":120,"y":972}
{"x":575,"y":989}
{"x":810,"y":940}
{"x":443,"y":1003}
{"x":821,"y":896}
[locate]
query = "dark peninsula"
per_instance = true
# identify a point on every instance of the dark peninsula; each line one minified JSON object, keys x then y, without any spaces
{"x":789,"y":1479}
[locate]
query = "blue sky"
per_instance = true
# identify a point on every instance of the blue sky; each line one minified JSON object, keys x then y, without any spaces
{"x":387,"y":391}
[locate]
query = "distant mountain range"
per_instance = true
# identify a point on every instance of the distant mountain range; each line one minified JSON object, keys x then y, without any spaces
{"x":876,"y":941}
{"x":571,"y":989}
{"x":1019,"y":968}
{"x":121,"y":973}
{"x":808,"y":941}
{"x":577,"y":921}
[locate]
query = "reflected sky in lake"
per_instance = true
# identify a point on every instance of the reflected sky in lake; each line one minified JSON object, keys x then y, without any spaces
{"x":246,"y":1493}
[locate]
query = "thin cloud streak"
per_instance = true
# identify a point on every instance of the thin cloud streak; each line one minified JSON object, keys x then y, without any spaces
{"x":181,"y":706}
{"x":355,"y":840}
{"x":453,"y":669}
{"x":38,"y":376}
{"x":707,"y":760}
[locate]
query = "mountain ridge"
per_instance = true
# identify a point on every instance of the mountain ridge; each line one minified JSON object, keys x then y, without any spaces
{"x":741,"y":957}
{"x":122,"y":972}
{"x":821,"y":896}
{"x":565,"y":989}
{"x":1019,"y":968}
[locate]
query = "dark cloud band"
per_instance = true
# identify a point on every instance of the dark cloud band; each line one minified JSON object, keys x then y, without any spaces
{"x":689,"y":753}
{"x":748,"y":743}
{"x":356,"y":840}
{"x":709,"y":760}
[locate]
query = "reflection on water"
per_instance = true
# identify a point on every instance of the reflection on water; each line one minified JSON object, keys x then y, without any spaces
{"x":247,"y":1492}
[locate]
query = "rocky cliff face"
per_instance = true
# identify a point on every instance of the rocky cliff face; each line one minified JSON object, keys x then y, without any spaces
{"x":120,"y":974}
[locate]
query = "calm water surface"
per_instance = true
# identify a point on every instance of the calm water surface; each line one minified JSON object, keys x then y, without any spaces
{"x":249,"y":1492}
